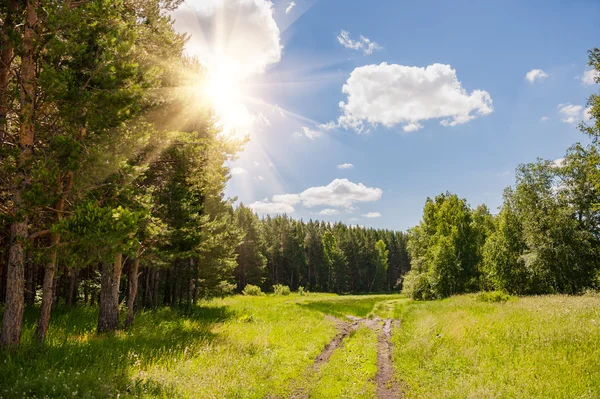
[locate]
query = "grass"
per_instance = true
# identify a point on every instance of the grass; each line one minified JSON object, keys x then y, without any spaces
{"x":530,"y":347}
{"x":353,"y":305}
{"x":350,"y":373}
{"x":240,"y":347}
{"x":264,"y":347}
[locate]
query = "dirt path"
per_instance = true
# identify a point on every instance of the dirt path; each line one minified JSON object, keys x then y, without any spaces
{"x":344,"y":330}
{"x":387,"y":388}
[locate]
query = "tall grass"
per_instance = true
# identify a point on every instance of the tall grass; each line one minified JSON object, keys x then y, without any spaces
{"x":533,"y":347}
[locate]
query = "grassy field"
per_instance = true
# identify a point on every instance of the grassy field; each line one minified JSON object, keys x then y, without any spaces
{"x":533,"y":347}
{"x":239,"y":347}
{"x":265,"y":347}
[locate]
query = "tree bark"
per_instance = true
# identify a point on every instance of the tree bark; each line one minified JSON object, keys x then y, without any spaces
{"x":133,"y":288}
{"x":108,"y":319}
{"x":13,"y":312}
{"x":6,"y":56}
{"x":72,"y":291}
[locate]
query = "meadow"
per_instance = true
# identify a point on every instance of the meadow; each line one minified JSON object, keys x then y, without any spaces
{"x":265,"y":347}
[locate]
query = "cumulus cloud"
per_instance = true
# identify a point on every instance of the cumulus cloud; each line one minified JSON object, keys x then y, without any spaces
{"x":340,"y":193}
{"x":372,"y":215}
{"x":271,"y":207}
{"x":240,"y":33}
{"x":397,"y":94}
{"x":536,"y":74}
{"x":327,"y":126}
{"x":290,"y":6}
{"x":238,"y":171}
{"x":589,"y":77}
{"x":308,"y":132}
{"x":345,"y":166}
{"x":544,"y":119}
{"x":571,"y":113}
{"x":363,"y":44}
{"x":329,"y":212}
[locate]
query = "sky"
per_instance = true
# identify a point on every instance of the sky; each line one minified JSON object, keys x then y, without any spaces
{"x":357,"y":111}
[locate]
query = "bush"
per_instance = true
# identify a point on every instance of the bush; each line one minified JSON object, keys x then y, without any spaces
{"x":302,"y":291}
{"x":281,"y":289}
{"x":417,"y":286}
{"x":493,"y":296}
{"x":252,"y":290}
{"x":224,"y":289}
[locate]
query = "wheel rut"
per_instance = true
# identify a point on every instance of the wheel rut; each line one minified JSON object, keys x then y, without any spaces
{"x":387,"y":387}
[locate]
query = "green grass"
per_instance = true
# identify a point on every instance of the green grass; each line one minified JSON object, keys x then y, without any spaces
{"x":351,"y":305}
{"x":532,"y":347}
{"x":239,"y":347}
{"x":350,"y":373}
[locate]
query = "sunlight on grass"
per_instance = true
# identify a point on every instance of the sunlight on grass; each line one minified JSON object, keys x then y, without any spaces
{"x":532,"y":347}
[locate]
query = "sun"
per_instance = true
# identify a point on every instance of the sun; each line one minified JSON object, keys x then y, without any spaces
{"x":224,"y":89}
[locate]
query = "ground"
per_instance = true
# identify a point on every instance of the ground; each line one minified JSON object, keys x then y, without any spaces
{"x":307,"y":347}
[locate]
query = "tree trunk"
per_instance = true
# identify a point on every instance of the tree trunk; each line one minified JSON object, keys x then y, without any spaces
{"x":47,"y":290}
{"x":72,"y":291}
{"x":6,"y":56}
{"x":31,"y":274}
{"x":13,"y":312}
{"x":133,"y":288}
{"x":108,"y":318}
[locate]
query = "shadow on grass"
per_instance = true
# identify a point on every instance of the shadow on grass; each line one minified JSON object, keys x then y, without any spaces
{"x":343,"y":307}
{"x":76,"y":362}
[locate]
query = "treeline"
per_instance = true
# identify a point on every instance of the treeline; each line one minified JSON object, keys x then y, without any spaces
{"x":318,"y":256}
{"x":545,"y":239}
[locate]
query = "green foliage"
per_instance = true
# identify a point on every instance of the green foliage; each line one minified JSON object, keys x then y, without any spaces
{"x":302,"y":291}
{"x":444,"y":249}
{"x":492,"y":296}
{"x":252,"y":290}
{"x":279,"y":289}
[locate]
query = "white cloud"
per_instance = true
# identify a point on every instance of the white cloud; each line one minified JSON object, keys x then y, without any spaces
{"x":238,"y":171}
{"x":340,"y":193}
{"x":329,"y":212}
{"x":366,"y":45}
{"x":544,"y":119}
{"x":397,"y":94}
{"x":256,"y":164}
{"x":311,"y":134}
{"x":271,"y":207}
{"x":587,"y":113}
{"x":243,"y":33}
{"x":589,"y":77}
{"x":571,"y":113}
{"x":327,"y":126}
{"x":345,"y":166}
{"x":290,"y":6}
{"x":372,"y":215}
{"x":536,"y":74}
{"x":557,"y":163}
{"x":260,"y":178}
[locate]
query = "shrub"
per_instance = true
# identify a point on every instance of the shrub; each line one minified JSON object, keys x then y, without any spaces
{"x":417,"y":286}
{"x":224,"y":288}
{"x":252,"y":290}
{"x":492,"y":296}
{"x":281,"y":289}
{"x":302,"y":291}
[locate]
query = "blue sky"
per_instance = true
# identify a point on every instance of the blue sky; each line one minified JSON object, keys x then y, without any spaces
{"x":451,"y":109}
